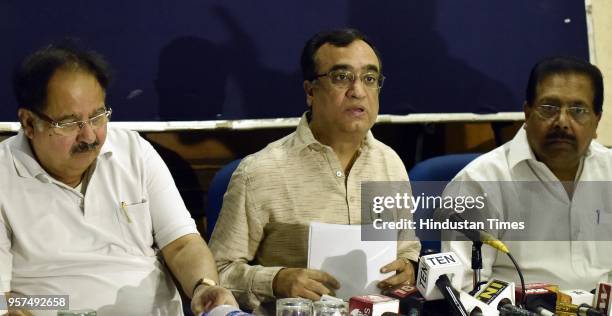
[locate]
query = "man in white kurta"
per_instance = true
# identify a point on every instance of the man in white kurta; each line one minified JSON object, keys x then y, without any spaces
{"x":88,"y":246}
{"x":552,"y":176}
{"x":91,"y":212}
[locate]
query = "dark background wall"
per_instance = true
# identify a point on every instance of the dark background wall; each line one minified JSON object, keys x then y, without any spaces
{"x":225,"y":59}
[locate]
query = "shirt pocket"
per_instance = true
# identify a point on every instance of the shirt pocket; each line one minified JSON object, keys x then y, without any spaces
{"x":601,"y":225}
{"x":136,"y":227}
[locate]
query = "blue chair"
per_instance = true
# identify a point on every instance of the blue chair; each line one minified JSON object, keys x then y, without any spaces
{"x":441,"y":168}
{"x":217,"y":189}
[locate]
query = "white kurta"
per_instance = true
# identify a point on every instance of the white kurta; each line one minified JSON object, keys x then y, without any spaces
{"x":55,"y":240}
{"x":569,"y":243}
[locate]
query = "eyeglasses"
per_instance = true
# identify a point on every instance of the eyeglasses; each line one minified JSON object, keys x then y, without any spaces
{"x":345,"y":78}
{"x":579,"y":114}
{"x":73,"y":128}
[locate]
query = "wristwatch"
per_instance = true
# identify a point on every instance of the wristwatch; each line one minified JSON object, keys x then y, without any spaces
{"x":205,"y":281}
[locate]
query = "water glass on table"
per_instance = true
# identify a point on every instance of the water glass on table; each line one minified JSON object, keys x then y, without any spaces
{"x":330,"y":308}
{"x":293,"y":307}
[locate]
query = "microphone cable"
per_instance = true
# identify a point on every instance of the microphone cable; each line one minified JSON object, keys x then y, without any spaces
{"x":523,"y":297}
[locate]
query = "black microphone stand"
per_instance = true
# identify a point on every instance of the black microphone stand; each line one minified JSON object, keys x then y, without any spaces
{"x":476,"y":266}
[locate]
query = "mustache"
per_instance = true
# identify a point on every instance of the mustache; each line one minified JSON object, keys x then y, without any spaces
{"x":559,"y":134}
{"x":84,"y":147}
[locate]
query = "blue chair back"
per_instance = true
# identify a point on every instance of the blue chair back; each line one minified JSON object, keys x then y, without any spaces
{"x":441,"y":168}
{"x":217,"y":189}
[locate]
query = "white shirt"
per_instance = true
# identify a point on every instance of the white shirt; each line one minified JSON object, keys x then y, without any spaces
{"x":55,"y":240}
{"x":562,"y":249}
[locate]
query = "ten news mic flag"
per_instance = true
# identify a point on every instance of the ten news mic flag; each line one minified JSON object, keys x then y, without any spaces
{"x":431,"y":267}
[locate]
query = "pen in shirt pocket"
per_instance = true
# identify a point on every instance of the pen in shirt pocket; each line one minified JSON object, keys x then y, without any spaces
{"x":598,"y":216}
{"x":124,"y":208}
{"x":125,"y":212}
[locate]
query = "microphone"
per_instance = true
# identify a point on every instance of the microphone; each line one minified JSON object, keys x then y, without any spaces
{"x":495,"y":292}
{"x":474,"y":235}
{"x":433,"y":283}
{"x":504,"y":307}
{"x":579,"y":297}
{"x":476,"y":307}
{"x":412,"y":303}
{"x":538,"y":298}
{"x":500,"y":295}
{"x":581,"y":310}
{"x":433,"y":280}
{"x":478,"y":237}
{"x":444,"y":285}
{"x":565,"y":300}
{"x":508,"y":309}
{"x":602,"y":300}
{"x":496,"y":298}
{"x":431,"y":267}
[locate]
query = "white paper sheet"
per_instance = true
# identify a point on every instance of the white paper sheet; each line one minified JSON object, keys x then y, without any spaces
{"x":339,"y":251}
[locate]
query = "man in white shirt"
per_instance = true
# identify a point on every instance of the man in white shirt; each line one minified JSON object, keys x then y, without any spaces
{"x":90,"y":212}
{"x":545,"y":177}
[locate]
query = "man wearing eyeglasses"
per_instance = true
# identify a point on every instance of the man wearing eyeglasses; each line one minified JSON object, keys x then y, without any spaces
{"x":553,"y":177}
{"x":260,"y":240}
{"x":89,"y":211}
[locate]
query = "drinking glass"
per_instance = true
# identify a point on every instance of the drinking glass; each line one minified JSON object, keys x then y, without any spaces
{"x":293,"y":307}
{"x":330,"y":308}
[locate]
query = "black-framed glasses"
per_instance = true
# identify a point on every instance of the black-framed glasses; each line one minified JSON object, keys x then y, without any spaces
{"x":579,"y":114}
{"x":73,"y":128}
{"x":345,"y":78}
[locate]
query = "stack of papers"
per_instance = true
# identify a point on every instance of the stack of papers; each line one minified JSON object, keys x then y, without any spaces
{"x":339,"y":251}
